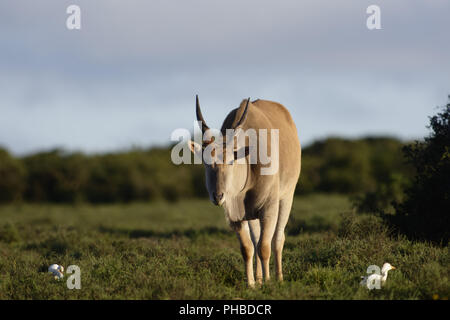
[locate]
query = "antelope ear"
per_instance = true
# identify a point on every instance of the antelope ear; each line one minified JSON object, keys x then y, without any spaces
{"x":195,"y":147}
{"x":243,"y":108}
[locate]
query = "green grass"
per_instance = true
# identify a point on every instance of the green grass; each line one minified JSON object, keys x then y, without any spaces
{"x":186,"y":251}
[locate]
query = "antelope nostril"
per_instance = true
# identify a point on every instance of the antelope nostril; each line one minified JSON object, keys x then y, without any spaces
{"x":217,"y":197}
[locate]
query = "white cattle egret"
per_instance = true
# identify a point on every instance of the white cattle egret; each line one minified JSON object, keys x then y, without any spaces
{"x":378,"y":277}
{"x":57,"y":271}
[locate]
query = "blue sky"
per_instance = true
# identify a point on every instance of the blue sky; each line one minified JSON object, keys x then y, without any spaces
{"x":130,"y":75}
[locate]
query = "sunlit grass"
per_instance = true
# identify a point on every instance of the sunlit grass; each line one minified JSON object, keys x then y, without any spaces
{"x":185,"y":250}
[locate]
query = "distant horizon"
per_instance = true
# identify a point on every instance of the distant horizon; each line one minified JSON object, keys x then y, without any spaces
{"x":168,"y":145}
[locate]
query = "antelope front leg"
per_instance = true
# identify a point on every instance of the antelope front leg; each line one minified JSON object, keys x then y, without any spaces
{"x":255,"y":232}
{"x":268,"y":224}
{"x":247,"y":251}
{"x":279,"y":237}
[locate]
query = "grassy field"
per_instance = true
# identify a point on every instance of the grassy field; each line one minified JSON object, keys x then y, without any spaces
{"x":185,"y":250}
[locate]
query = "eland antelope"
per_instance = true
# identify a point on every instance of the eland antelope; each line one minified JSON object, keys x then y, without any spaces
{"x":257,"y":206}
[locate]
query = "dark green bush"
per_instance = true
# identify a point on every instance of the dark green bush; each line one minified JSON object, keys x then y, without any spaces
{"x":425,"y":211}
{"x":12,"y":178}
{"x":352,"y":167}
{"x":386,"y":194}
{"x":333,"y":165}
{"x":55,"y":176}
